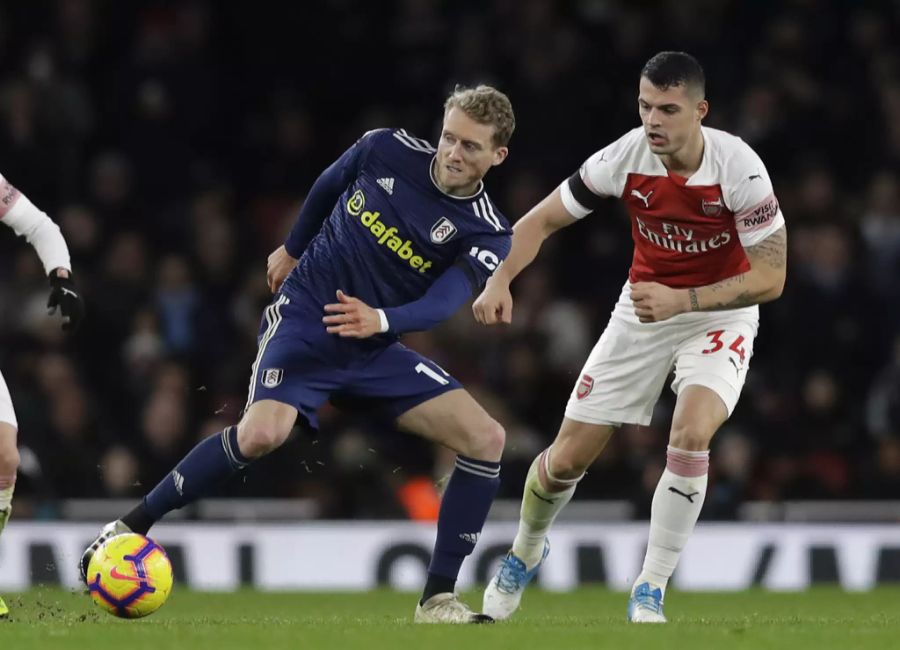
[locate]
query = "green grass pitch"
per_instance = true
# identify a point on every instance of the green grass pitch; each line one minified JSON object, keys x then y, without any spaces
{"x":821,"y":618}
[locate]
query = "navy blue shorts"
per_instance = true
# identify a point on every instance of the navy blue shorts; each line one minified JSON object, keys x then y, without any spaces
{"x":300,"y":364}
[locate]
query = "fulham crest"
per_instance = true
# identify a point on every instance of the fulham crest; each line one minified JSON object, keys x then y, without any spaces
{"x":442,"y":230}
{"x":272,"y":377}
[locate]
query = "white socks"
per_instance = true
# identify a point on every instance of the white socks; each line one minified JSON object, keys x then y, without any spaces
{"x":674,"y":512}
{"x":7,"y":487}
{"x":544,"y":496}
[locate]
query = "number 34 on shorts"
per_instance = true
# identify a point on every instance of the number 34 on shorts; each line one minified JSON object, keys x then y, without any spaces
{"x":732,"y":342}
{"x":718,"y":359}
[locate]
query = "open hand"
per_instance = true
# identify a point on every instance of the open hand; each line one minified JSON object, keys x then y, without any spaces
{"x":351,"y":318}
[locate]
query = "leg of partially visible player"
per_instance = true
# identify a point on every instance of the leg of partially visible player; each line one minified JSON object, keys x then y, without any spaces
{"x":9,"y":462}
{"x":699,"y":412}
{"x":264,"y":427}
{"x":549,"y":486}
{"x":457,"y":421}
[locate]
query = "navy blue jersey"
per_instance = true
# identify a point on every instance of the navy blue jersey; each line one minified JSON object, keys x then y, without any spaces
{"x":393,"y":231}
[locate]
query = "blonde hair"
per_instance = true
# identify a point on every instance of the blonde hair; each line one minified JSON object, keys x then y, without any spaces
{"x":485,"y":105}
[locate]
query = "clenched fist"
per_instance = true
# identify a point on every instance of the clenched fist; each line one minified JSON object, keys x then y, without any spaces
{"x":494,"y":305}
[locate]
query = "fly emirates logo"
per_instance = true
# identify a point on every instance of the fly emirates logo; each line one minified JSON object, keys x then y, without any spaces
{"x":680,"y":239}
{"x":385,"y":235}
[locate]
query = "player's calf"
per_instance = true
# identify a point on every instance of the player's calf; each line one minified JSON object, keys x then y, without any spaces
{"x":545,"y":495}
{"x":464,"y":509}
{"x":9,"y":464}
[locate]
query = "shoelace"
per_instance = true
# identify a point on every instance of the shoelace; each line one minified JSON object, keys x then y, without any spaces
{"x":648,"y":600}
{"x":511,"y":575}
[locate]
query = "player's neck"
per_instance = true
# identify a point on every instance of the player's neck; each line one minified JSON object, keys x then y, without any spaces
{"x":687,"y":160}
{"x":459,"y":192}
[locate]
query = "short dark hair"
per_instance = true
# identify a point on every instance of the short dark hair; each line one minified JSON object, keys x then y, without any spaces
{"x":668,"y":69}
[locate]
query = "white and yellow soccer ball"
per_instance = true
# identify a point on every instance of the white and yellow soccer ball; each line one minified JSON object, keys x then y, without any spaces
{"x":130,"y":576}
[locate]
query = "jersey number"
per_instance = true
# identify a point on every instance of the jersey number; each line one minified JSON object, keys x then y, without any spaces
{"x":486,"y":257}
{"x":715,"y":339}
{"x":423,"y":369}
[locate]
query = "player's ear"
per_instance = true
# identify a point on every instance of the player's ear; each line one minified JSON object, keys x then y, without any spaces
{"x":500,"y":154}
{"x":702,"y":109}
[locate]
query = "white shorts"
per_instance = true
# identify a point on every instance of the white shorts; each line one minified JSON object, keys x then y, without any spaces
{"x":7,"y":413}
{"x":625,"y":372}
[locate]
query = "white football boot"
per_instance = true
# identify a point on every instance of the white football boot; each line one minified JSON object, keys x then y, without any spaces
{"x":646,"y":604}
{"x":447,"y":608}
{"x":504,"y":592}
{"x":110,"y":530}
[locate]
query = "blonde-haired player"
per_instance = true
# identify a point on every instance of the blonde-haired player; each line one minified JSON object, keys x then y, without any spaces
{"x":20,"y":214}
{"x":709,"y":246}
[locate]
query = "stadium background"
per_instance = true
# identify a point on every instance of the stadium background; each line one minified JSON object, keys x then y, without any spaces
{"x":173,"y":143}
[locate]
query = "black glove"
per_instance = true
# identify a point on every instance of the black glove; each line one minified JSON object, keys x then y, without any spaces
{"x":65,"y":296}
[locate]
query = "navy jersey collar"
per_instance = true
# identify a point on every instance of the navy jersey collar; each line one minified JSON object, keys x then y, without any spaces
{"x":452,"y":196}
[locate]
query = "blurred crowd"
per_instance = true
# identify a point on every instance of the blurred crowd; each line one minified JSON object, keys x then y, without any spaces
{"x":174,"y":142}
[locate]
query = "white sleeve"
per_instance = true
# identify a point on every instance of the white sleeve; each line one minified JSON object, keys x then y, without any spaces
{"x":752,"y":199}
{"x":597,"y":178}
{"x":20,"y":214}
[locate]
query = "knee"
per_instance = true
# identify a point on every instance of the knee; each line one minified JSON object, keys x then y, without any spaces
{"x":486,"y":443}
{"x":257,"y":437}
{"x":690,"y":437}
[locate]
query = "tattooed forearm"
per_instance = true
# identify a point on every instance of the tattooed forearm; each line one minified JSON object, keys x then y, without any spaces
{"x":727,"y":284}
{"x":771,"y":251}
{"x":763,"y":282}
{"x":743,"y":299}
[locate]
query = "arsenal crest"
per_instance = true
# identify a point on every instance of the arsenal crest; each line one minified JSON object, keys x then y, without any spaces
{"x":442,"y":231}
{"x":272,"y":377}
{"x":712,"y":208}
{"x":585,"y":386}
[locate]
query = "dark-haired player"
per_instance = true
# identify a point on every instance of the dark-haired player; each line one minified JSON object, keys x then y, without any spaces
{"x":709,"y":246}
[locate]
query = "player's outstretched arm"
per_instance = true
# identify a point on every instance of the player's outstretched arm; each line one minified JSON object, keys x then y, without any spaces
{"x":494,"y":305}
{"x":351,"y":317}
{"x":32,"y":223}
{"x":762,"y":283}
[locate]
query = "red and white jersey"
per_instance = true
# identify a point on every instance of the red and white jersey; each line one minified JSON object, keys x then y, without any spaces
{"x":687,"y":232}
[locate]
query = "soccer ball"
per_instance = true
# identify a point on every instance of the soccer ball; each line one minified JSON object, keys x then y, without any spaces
{"x":130,"y":576}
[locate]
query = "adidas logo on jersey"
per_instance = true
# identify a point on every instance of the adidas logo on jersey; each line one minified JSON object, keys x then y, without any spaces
{"x":387,"y":184}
